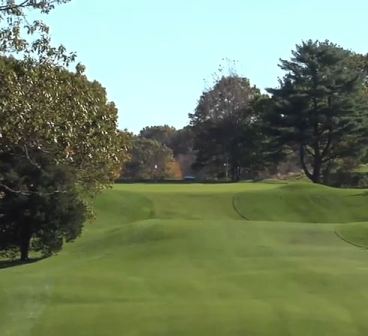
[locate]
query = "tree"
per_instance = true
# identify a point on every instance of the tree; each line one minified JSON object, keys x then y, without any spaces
{"x":47,"y":109}
{"x":149,"y":159}
{"x":163,"y":134}
{"x":179,"y":141}
{"x":182,"y":141}
{"x":42,"y":105}
{"x":32,"y":214}
{"x":321,"y":107}
{"x":44,"y":108}
{"x":225,"y":128}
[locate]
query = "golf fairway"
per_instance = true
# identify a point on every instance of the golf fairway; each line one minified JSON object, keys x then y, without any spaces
{"x":240,"y":259}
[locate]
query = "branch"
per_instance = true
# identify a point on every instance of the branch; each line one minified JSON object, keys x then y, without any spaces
{"x":28,"y":3}
{"x":28,"y":193}
{"x":23,"y":4}
{"x":32,"y":162}
{"x":328,"y":144}
{"x":309,"y":151}
{"x":13,"y":190}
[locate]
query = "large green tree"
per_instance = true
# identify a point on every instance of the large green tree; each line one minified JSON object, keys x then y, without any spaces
{"x":225,"y":127}
{"x":321,"y":106}
{"x":40,"y":207}
{"x":63,"y":113}
{"x":45,"y":108}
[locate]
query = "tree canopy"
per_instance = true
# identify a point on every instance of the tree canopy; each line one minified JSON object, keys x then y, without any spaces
{"x":39,"y":204}
{"x":58,"y":134}
{"x":225,"y":127}
{"x":149,"y":160}
{"x":163,"y":134}
{"x":30,"y":39}
{"x":321,"y":106}
{"x":61,"y":112}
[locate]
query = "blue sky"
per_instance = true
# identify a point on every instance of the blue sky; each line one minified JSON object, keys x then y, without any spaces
{"x":153,"y":56}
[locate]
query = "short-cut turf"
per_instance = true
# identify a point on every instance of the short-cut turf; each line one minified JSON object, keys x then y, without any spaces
{"x":188,"y":260}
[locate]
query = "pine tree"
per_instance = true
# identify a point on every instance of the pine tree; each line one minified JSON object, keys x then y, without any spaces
{"x":321,"y":106}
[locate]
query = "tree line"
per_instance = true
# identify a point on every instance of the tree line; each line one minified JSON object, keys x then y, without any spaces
{"x":316,"y":118}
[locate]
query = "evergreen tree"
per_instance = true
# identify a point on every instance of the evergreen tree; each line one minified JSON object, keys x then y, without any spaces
{"x":39,"y":205}
{"x":321,"y":106}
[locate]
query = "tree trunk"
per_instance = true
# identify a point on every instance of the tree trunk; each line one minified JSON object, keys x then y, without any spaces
{"x":235,"y":173}
{"x":326,"y":173}
{"x":315,"y":175}
{"x":303,"y":163}
{"x":316,"y":178}
{"x":24,"y":242}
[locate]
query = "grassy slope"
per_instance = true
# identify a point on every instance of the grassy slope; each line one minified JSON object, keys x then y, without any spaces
{"x":303,"y":203}
{"x":179,"y":260}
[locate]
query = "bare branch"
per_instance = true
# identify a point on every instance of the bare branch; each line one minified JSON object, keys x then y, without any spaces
{"x":32,"y":162}
{"x":7,"y":188}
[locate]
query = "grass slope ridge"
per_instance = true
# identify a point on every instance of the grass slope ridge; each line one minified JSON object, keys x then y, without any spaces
{"x":165,"y":260}
{"x":355,"y":234}
{"x":303,"y":203}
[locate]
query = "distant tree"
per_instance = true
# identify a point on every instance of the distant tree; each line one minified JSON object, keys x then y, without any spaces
{"x":321,"y":106}
{"x":225,"y":127}
{"x":179,"y":141}
{"x":182,"y":141}
{"x":175,"y":170}
{"x":149,"y":159}
{"x":32,"y":214}
{"x":163,"y":134}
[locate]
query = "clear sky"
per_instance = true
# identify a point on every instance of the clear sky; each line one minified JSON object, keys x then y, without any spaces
{"x":154,"y":55}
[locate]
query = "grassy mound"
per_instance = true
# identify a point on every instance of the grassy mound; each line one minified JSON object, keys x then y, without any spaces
{"x":163,"y":260}
{"x":303,"y":203}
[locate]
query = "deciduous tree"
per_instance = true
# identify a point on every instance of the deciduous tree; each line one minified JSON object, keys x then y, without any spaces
{"x":225,"y":127}
{"x":149,"y":159}
{"x":48,"y":111}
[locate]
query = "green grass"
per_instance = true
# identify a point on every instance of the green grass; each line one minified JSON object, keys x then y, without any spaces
{"x":181,"y":260}
{"x":303,"y":203}
{"x":355,"y":234}
{"x":362,"y":169}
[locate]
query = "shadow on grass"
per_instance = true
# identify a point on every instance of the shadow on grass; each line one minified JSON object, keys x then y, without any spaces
{"x":15,"y":263}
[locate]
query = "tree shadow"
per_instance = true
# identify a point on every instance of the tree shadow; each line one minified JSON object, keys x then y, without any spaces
{"x":14,"y":263}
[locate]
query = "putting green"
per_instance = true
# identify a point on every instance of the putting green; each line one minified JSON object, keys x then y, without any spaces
{"x":164,"y":260}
